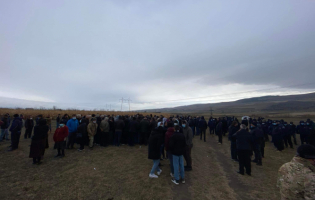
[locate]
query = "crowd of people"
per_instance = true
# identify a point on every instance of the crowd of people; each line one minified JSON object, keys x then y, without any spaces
{"x":167,"y":138}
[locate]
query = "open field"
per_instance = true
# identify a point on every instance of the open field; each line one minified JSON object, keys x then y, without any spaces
{"x":122,"y":173}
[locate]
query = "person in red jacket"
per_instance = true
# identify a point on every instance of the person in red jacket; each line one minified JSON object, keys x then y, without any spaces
{"x":60,"y":137}
{"x":168,"y":135}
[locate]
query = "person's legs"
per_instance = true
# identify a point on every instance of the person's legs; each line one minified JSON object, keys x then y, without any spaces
{"x":170,"y":157}
{"x":193,"y":130}
{"x":18,"y":135}
{"x":2,"y":134}
{"x":91,"y":141}
{"x":204,"y":134}
{"x":241,"y":161}
{"x":34,"y":160}
{"x":118,"y":137}
{"x":247,"y":162}
{"x":294,"y":138}
{"x":181,"y":167}
{"x":6,"y":132}
{"x":220,"y":138}
{"x":176,"y":167}
{"x":13,"y":140}
{"x":155,"y":166}
{"x":262,"y":149}
{"x":285,"y":138}
{"x":290,"y":141}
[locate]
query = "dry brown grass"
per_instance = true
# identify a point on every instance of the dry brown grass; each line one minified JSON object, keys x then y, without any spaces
{"x":122,"y":173}
{"x":54,"y":113}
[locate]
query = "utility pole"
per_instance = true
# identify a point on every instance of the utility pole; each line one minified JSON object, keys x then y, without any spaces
{"x":129,"y":103}
{"x":122,"y":101}
{"x":211,"y":111}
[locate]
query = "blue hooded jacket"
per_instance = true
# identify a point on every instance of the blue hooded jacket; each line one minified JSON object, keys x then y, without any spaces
{"x":72,"y":125}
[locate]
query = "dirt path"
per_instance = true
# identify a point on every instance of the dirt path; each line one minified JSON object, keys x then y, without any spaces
{"x":227,"y":165}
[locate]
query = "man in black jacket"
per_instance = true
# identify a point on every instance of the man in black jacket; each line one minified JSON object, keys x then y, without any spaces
{"x":258,"y":138}
{"x":177,"y":145}
{"x":218,"y":131}
{"x":244,"y":144}
{"x":202,"y":125}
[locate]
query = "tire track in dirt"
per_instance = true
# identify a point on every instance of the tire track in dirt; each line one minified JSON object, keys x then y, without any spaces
{"x":231,"y":175}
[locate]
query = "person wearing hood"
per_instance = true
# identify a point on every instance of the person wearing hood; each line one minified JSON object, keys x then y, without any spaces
{"x":92,"y":129}
{"x":15,"y":132}
{"x":60,"y":137}
{"x":72,"y":125}
{"x":170,"y":131}
{"x":37,"y":149}
{"x":155,"y":142}
{"x":189,"y":144}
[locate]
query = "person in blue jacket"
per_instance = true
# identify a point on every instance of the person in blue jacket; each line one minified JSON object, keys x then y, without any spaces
{"x":72,"y":125}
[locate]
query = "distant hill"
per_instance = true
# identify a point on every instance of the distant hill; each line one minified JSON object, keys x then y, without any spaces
{"x":294,"y":103}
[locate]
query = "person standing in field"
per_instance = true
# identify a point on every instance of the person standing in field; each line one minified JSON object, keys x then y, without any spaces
{"x":244,"y":143}
{"x":155,"y":142}
{"x":168,"y":135}
{"x":177,"y":144}
{"x":189,"y":144}
{"x":4,"y":128}
{"x":232,"y":130}
{"x":82,"y":133}
{"x":60,"y":137}
{"x":58,"y":119}
{"x":219,"y":131}
{"x":119,"y":126}
{"x":296,"y":179}
{"x":104,"y":127}
{"x":15,"y":132}
{"x":92,"y":129}
{"x":38,"y":144}
{"x":29,"y":125}
{"x":72,"y":125}
{"x":202,"y":125}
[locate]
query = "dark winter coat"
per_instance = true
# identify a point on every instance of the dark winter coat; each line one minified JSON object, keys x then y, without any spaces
{"x":29,"y":123}
{"x":258,"y":136}
{"x":155,"y":142}
{"x":133,"y":126}
{"x":119,"y":125}
{"x":39,"y":140}
{"x":16,"y":125}
{"x":177,"y":144}
{"x":244,"y":140}
{"x":144,"y":126}
{"x":170,"y":131}
{"x":232,"y":131}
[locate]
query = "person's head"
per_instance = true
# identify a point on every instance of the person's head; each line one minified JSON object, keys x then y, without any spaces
{"x":30,"y":117}
{"x":42,"y":122}
{"x":306,"y":151}
{"x":253,"y":124}
{"x":177,"y":128}
{"x":302,"y":123}
{"x":74,"y":116}
{"x":106,"y":119}
{"x":243,"y":126}
{"x":184,"y":124}
{"x":234,"y":123}
{"x":93,"y":120}
{"x":16,"y":115}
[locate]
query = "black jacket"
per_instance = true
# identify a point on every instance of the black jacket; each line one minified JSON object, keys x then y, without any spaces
{"x":155,"y":142}
{"x":133,"y":126}
{"x":232,"y":131}
{"x":119,"y":125}
{"x":40,"y":132}
{"x":177,"y":144}
{"x":244,"y":140}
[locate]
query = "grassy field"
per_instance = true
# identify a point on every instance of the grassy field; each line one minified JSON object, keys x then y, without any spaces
{"x":122,"y":173}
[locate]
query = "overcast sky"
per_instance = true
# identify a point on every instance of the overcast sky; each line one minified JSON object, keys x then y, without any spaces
{"x":86,"y":54}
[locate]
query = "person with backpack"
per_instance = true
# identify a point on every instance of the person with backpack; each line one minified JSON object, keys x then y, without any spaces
{"x":15,"y":132}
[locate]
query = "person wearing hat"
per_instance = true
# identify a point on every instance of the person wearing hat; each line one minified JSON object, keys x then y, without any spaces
{"x":277,"y":136}
{"x":303,"y":131}
{"x":296,"y":179}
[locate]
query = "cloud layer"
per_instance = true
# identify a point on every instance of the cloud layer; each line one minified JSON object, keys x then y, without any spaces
{"x":92,"y":53}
